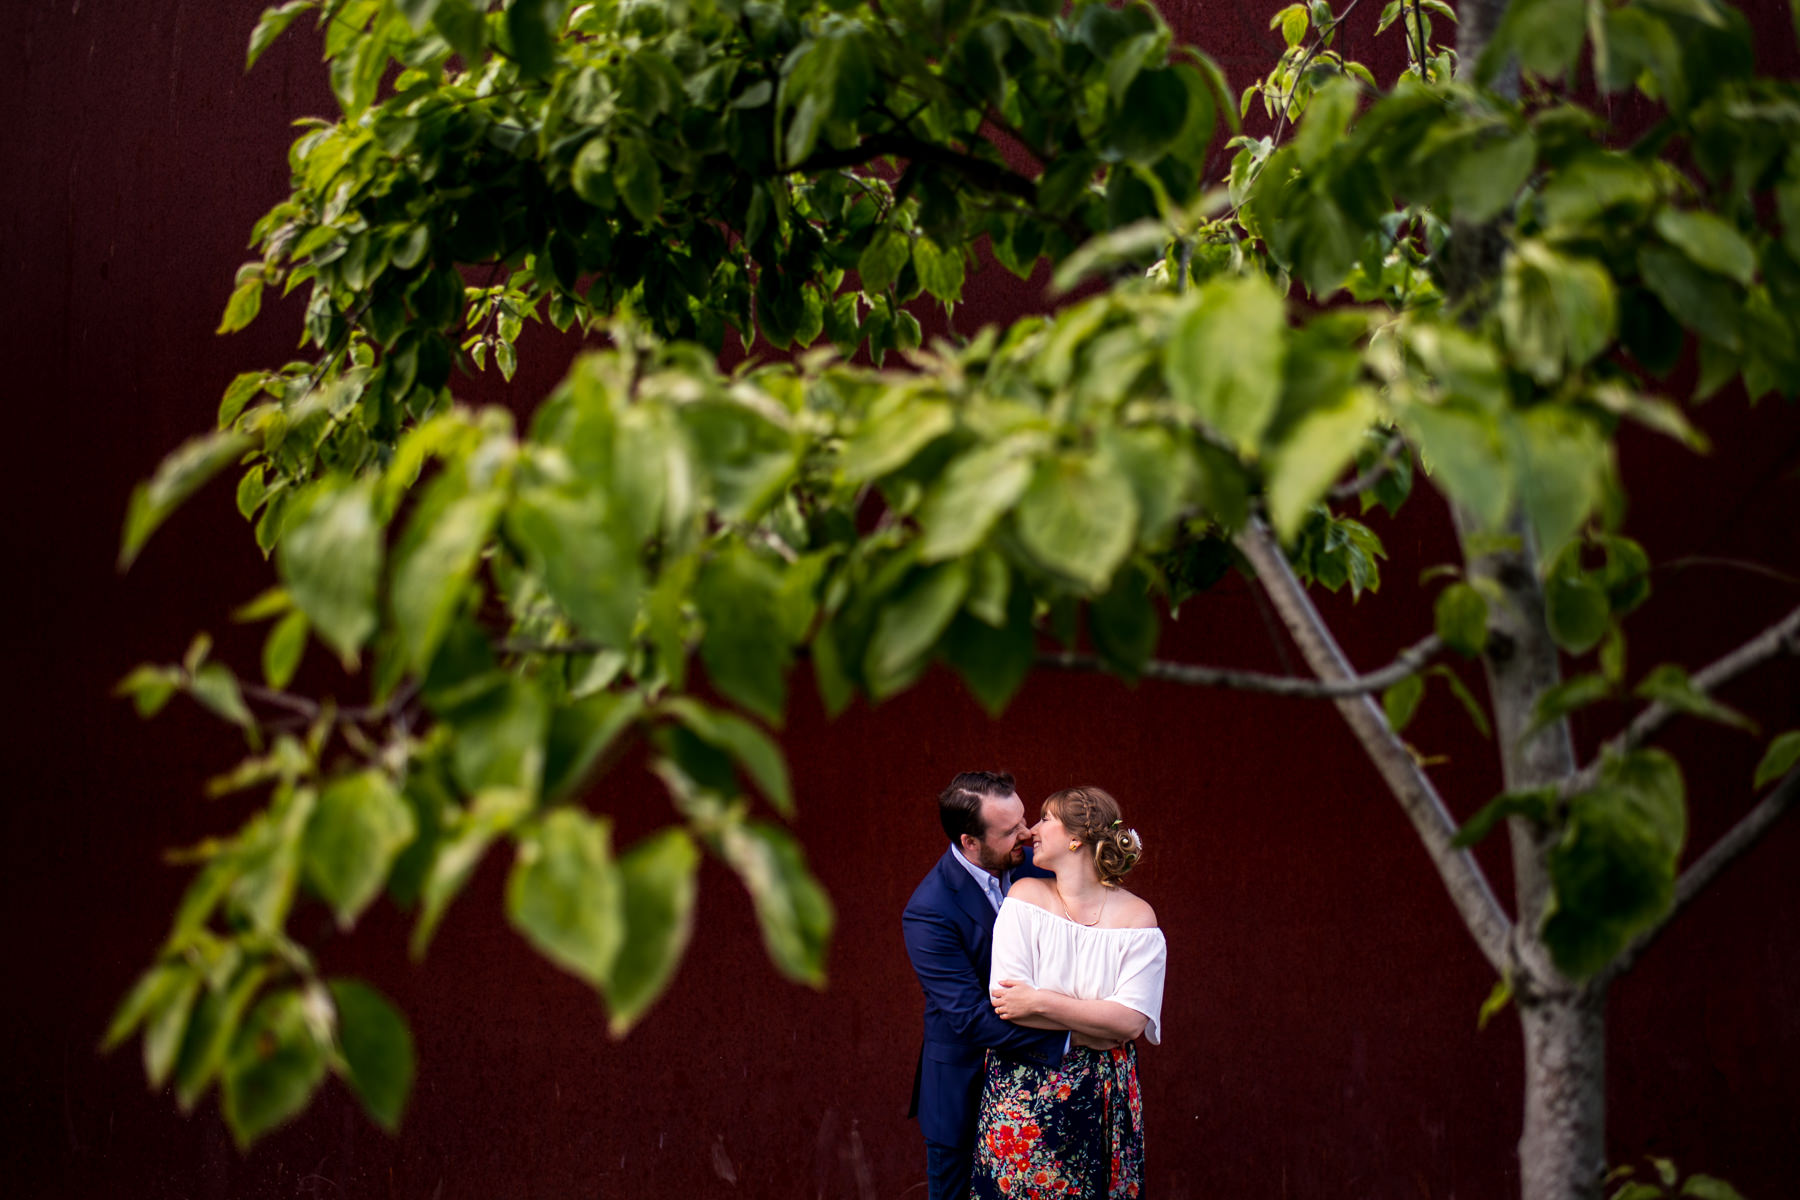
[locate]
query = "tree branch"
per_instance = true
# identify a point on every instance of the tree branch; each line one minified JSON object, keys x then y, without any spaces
{"x":991,"y":176}
{"x":1783,"y":637}
{"x":1469,"y":890}
{"x":1745,"y":834}
{"x":1408,"y":662}
{"x":1351,"y":488}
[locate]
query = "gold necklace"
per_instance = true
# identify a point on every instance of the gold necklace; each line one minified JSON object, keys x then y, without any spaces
{"x":1070,"y":915}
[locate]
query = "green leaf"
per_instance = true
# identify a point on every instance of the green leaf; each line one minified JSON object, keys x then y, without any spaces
{"x":911,"y":620}
{"x":1401,"y":701}
{"x":532,"y":27}
{"x":581,"y":732}
{"x":271,"y":25}
{"x":1313,"y":451}
{"x":283,"y":648}
{"x":1626,"y":575}
{"x":639,"y":177}
{"x":591,"y":174}
{"x":493,"y":813}
{"x":565,"y":894}
{"x":752,"y":749}
{"x":434,"y":562}
{"x":1538,"y":805}
{"x":149,"y":688}
{"x":740,"y":599}
{"x":882,"y":260}
{"x":214,"y":686}
{"x":1496,"y":1002}
{"x":792,"y":909}
{"x":1613,"y":870}
{"x":1701,"y":300}
{"x":1489,"y":174}
{"x":1461,"y":613}
{"x":1563,"y":467}
{"x":1150,"y":117}
{"x":1545,"y":34}
{"x":1078,"y":518}
{"x":164,"y":986}
{"x":1225,"y":357}
{"x":179,"y":476}
{"x":329,"y":558}
{"x":239,"y":393}
{"x":1709,"y":241}
{"x":1293,"y":21}
{"x":1466,"y":456}
{"x":1555,"y":703}
{"x":994,"y":662}
{"x":275,"y":1066}
{"x":463,"y":26}
{"x":1576,"y":610}
{"x":245,"y":303}
{"x":1135,"y":244}
{"x":377,"y":1051}
{"x":1780,"y":758}
{"x":584,"y":560}
{"x":1123,"y":623}
{"x":500,"y":731}
{"x":1707,"y":1187}
{"x":358,"y":828}
{"x":205,"y":1046}
{"x":975,"y":491}
{"x":940,"y":270}
{"x":1558,"y":312}
{"x":166,"y":1024}
{"x":1464,"y":697}
{"x":1669,"y":685}
{"x":417,"y":12}
{"x":890,"y":439}
{"x":658,"y":877}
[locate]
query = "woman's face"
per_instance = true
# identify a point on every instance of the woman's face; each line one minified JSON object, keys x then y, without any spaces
{"x":1052,"y":839}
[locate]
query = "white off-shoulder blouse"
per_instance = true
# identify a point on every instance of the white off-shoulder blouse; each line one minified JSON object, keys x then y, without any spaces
{"x":1035,"y":946}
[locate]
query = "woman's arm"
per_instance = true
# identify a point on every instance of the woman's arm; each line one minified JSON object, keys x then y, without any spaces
{"x":1040,"y":1008}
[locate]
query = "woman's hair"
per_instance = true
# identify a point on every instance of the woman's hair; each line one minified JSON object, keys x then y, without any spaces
{"x":1093,"y":816}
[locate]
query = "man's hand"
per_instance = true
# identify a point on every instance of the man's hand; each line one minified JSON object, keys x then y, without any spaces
{"x":1014,"y":1001}
{"x":1094,"y":1043}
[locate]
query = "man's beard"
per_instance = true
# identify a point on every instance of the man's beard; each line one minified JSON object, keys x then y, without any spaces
{"x":999,"y":863}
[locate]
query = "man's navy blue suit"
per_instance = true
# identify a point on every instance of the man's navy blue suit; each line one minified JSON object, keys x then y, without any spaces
{"x":949,"y":928}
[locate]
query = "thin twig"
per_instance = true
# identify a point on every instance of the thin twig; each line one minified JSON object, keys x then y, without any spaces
{"x":1783,"y":637}
{"x":1409,"y":661}
{"x":1350,"y":489}
{"x":1745,"y":834}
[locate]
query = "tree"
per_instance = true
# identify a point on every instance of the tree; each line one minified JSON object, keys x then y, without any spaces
{"x":1455,"y":277}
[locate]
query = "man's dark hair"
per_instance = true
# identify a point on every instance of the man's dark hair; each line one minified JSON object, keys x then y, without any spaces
{"x":959,"y":807}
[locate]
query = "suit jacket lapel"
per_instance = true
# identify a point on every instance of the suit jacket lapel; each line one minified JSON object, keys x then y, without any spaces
{"x":967,"y":893}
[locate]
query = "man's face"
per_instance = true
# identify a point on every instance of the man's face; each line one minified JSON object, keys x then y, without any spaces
{"x":1003,"y":847}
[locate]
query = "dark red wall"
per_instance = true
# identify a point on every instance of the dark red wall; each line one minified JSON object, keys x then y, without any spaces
{"x":1320,"y":1019}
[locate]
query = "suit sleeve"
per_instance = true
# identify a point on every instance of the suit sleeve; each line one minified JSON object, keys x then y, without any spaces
{"x":950,"y":979}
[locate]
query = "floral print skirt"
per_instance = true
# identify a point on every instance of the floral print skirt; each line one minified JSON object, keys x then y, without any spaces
{"x":1075,"y":1129}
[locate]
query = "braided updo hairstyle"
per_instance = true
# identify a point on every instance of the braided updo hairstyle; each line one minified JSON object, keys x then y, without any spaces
{"x":1093,"y":816}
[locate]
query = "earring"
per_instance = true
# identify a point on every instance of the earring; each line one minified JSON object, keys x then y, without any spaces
{"x":1074,"y":845}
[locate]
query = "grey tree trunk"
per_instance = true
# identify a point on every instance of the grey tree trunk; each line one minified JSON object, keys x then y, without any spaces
{"x":1562,"y":1151}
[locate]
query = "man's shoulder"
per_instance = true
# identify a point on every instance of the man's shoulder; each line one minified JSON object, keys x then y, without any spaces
{"x":933,"y":891}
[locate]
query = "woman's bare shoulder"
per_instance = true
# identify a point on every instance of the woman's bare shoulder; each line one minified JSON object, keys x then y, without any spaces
{"x":1132,"y":912}
{"x":1032,"y":891}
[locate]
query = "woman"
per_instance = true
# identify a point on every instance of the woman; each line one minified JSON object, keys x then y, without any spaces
{"x":1076,"y":952}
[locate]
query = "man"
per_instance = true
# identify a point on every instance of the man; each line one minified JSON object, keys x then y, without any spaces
{"x":949,"y":929}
